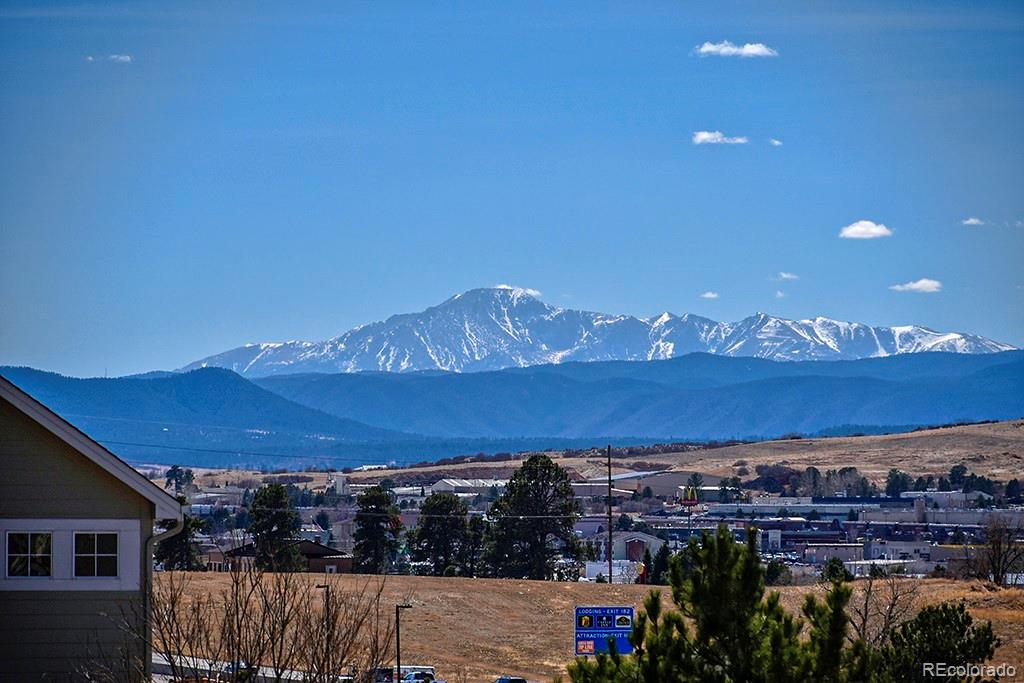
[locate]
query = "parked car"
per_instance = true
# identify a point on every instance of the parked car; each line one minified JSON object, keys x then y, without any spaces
{"x":239,"y":671}
{"x":510,"y":679}
{"x":421,"y":677}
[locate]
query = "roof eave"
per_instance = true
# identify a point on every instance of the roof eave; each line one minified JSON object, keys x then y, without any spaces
{"x":165,"y":506}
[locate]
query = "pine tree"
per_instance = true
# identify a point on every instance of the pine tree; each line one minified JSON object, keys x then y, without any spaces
{"x":659,"y":572}
{"x":273,"y":525}
{"x":472,"y":548}
{"x":179,"y":551}
{"x":534,"y":521}
{"x":174,"y":476}
{"x":939,"y":633}
{"x":377,"y":528}
{"x":441,"y":534}
{"x":834,"y":571}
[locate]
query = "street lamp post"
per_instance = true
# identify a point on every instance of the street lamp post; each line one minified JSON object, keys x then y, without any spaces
{"x":327,"y":593}
{"x":398,"y":639}
{"x":328,"y":617}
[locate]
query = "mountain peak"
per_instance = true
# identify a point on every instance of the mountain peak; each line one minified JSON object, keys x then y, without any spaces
{"x":517,"y":291}
{"x":503,"y":326}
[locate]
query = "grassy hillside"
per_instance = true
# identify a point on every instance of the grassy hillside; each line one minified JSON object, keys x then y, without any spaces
{"x":993,"y":450}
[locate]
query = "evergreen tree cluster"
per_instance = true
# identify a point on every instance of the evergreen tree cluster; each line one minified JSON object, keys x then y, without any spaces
{"x":528,"y":531}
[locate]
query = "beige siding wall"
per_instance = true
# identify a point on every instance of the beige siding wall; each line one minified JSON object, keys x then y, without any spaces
{"x":47,"y":635}
{"x":44,"y":477}
{"x":55,"y":632}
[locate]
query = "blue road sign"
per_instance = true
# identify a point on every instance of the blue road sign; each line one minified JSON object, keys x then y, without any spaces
{"x":597,"y":626}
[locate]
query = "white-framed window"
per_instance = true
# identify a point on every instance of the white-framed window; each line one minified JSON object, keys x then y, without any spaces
{"x":95,"y":554}
{"x":82,"y":554}
{"x":29,"y":554}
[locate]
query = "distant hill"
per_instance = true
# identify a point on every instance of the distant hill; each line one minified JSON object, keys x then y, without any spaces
{"x":214,"y":417}
{"x":501,"y":327}
{"x":698,"y":396}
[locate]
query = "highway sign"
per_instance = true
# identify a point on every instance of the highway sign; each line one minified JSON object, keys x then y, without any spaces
{"x":597,"y":626}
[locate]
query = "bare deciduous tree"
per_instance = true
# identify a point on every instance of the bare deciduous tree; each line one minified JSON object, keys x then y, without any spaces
{"x":879,"y":605}
{"x":1002,"y":556}
{"x":279,"y":622}
{"x":287,"y":596}
{"x":350,"y":634}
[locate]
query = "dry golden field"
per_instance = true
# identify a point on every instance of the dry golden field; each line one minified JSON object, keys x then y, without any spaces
{"x":994,"y":450}
{"x":485,"y":627}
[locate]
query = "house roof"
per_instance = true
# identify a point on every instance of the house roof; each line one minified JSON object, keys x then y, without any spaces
{"x":471,"y":483}
{"x":630,"y":475}
{"x":627,"y":535}
{"x":166,"y":506}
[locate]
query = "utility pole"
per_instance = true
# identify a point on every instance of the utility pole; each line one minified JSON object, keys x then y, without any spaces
{"x":610,"y":538}
{"x":398,"y":639}
{"x":328,"y":617}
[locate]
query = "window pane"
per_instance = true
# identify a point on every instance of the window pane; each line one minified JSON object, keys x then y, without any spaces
{"x":17,"y":565}
{"x":85,"y":543}
{"x":85,"y":566}
{"x":106,"y":566}
{"x":40,"y":565}
{"x":17,"y":544}
{"x":41,"y":544}
{"x":106,"y":544}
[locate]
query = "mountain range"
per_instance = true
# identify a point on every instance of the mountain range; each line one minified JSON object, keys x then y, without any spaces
{"x":502,"y":327}
{"x":215,"y":417}
{"x":697,"y":396}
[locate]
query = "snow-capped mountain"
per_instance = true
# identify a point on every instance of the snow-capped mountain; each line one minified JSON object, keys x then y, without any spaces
{"x":500,"y":327}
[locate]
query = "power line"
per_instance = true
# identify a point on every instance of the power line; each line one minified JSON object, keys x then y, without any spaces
{"x":340,"y":440}
{"x":259,"y":454}
{"x":429,"y":516}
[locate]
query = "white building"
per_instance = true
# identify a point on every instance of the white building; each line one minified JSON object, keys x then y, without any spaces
{"x":481,"y":487}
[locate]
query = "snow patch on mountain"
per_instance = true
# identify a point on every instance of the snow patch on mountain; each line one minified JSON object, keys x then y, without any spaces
{"x":505,"y":326}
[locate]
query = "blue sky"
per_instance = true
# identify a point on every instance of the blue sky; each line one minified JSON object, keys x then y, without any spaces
{"x":217,"y":173}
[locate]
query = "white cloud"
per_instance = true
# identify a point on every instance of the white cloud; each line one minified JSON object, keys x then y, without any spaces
{"x":709,"y":295}
{"x":973,"y":221}
{"x":715,"y":137}
{"x":117,"y":59}
{"x":779,"y":294}
{"x":924,"y":286}
{"x":783,"y":275}
{"x":775,"y":143}
{"x":865,"y":230}
{"x":727,"y":49}
{"x":522,"y":290}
